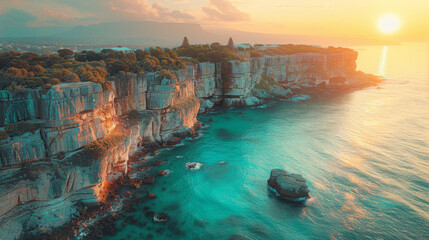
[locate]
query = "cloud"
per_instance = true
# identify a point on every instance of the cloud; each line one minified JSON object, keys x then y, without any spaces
{"x":301,"y":6}
{"x":142,"y":10}
{"x":16,"y":18}
{"x":225,"y":11}
{"x":83,"y":12}
{"x":164,"y":11}
{"x":132,"y":8}
{"x":51,"y":14}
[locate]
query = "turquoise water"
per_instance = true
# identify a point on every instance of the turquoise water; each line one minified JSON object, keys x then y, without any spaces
{"x":365,"y":155}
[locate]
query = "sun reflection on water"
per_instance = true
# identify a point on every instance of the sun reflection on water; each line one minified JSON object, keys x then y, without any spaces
{"x":383,"y":61}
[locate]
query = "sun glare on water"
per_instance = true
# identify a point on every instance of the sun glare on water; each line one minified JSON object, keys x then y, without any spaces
{"x":389,"y":23}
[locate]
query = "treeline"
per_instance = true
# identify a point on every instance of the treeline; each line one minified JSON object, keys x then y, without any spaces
{"x":213,"y":53}
{"x":30,"y":70}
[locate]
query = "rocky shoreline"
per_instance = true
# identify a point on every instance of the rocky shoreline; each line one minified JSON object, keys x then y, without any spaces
{"x":99,"y":219}
{"x":80,"y":137}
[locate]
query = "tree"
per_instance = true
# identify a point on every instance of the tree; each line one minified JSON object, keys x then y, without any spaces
{"x":185,"y":43}
{"x":116,"y":66}
{"x":140,"y":54}
{"x":65,"y":53}
{"x":72,"y":78}
{"x":230,"y":43}
{"x":38,"y":69}
{"x":216,"y":46}
{"x":14,"y":72}
{"x":150,"y":64}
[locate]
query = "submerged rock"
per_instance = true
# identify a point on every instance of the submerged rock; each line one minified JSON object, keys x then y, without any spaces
{"x":158,"y":163}
{"x":151,"y":196}
{"x":288,"y":186}
{"x":148,"y":180}
{"x":135,"y":183}
{"x":161,"y":217}
{"x":163,"y":172}
{"x":194,"y":165}
{"x":174,"y":141}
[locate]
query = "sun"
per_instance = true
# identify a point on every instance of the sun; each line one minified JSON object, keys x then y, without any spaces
{"x":389,"y":23}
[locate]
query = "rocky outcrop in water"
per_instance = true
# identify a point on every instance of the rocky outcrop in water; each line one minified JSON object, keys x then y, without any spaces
{"x":288,"y":186}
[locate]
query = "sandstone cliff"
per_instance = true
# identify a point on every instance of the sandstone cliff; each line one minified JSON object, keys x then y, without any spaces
{"x":236,"y":83}
{"x":85,"y":134}
{"x":83,"y":137}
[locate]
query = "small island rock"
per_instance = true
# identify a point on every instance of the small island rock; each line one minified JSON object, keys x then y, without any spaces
{"x":288,"y":186}
{"x":194,"y":165}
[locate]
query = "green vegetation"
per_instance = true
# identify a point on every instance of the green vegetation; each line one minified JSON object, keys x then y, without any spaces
{"x":19,"y":71}
{"x":266,"y":83}
{"x":185,"y":43}
{"x":3,"y":135}
{"x":230,"y":44}
{"x":204,"y":53}
{"x":133,"y":114}
{"x":30,"y":70}
{"x":17,"y":129}
{"x":97,"y":149}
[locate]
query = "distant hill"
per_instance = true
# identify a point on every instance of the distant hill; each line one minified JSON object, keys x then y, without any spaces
{"x":33,"y":32}
{"x":135,"y":33}
{"x":253,"y":38}
{"x":138,"y":33}
{"x":144,"y":34}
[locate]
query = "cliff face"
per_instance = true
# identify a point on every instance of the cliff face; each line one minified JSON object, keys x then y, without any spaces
{"x":83,"y":139}
{"x":232,"y":82}
{"x":85,"y":134}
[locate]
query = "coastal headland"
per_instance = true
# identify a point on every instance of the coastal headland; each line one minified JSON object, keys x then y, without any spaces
{"x":76,"y":128}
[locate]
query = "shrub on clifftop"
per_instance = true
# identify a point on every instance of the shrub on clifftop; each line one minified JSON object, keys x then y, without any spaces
{"x":19,"y":128}
{"x":97,"y":149}
{"x":3,"y":135}
{"x":204,"y":53}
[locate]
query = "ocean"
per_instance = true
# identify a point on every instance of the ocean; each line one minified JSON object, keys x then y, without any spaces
{"x":365,"y":155}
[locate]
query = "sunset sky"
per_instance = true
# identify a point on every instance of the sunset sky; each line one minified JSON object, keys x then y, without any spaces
{"x":354,"y":18}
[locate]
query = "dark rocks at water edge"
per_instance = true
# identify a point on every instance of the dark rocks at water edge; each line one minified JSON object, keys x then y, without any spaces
{"x":151,"y":196}
{"x":148,"y":180}
{"x":161,"y":218}
{"x":288,"y":186}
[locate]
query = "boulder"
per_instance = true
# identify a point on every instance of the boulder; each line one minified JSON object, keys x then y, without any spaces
{"x":194,"y":165}
{"x":174,"y":141}
{"x":206,"y":106}
{"x":135,"y":183}
{"x":161,"y":217}
{"x":148,"y":180}
{"x":288,"y":186}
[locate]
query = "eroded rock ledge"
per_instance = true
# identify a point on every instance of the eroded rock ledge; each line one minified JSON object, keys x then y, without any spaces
{"x":85,"y":135}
